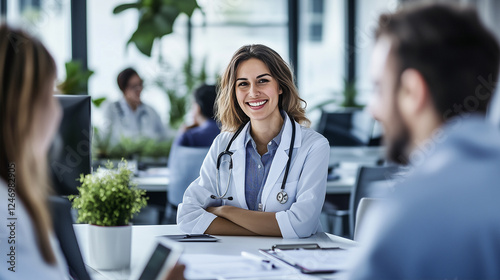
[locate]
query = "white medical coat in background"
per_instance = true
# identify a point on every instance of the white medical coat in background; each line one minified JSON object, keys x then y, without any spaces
{"x":305,"y":186}
{"x":144,"y":122}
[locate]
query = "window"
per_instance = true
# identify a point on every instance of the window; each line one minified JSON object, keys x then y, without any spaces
{"x":228,"y":25}
{"x":368,"y":12}
{"x":321,"y":52}
{"x":50,"y":21}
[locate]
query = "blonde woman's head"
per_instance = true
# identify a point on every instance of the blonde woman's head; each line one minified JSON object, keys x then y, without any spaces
{"x":230,"y":114}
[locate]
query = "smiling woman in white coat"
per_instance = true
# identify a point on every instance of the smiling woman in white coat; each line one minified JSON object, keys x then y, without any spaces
{"x":265,"y":174}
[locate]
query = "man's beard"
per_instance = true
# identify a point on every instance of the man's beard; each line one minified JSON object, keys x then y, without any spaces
{"x":398,"y":146}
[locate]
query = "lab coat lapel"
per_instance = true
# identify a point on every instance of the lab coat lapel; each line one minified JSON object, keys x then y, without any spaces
{"x":278,"y":165}
{"x":239,"y":162}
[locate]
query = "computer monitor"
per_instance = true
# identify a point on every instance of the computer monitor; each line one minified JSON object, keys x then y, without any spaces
{"x":70,"y":154}
{"x":354,"y":136}
{"x":348,"y":128}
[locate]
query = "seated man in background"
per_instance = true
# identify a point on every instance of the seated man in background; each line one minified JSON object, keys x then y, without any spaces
{"x":434,"y":68}
{"x":130,"y":117}
{"x":204,"y":128}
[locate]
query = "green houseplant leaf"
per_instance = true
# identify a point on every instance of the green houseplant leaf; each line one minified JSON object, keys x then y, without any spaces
{"x":120,"y":8}
{"x":107,"y":198}
{"x":76,"y":78}
{"x":98,"y":101}
{"x":156,"y":19}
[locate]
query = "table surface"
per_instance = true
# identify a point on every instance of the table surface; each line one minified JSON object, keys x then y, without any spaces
{"x":143,"y":239}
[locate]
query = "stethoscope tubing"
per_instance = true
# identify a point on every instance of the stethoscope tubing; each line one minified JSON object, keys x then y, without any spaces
{"x":230,"y":154}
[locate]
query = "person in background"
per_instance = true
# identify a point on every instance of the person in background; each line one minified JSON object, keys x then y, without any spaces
{"x":130,"y":117}
{"x":434,"y":68}
{"x":204,"y":129}
{"x":271,"y":178}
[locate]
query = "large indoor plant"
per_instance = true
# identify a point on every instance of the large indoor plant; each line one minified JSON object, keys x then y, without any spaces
{"x":156,"y":20}
{"x":107,"y":201}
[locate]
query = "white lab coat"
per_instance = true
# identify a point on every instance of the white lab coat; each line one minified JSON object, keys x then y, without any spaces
{"x":121,"y":121}
{"x":305,"y":186}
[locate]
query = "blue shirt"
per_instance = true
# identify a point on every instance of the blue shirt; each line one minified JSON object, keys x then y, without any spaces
{"x":200,"y":136}
{"x":442,"y":220}
{"x":257,"y":167}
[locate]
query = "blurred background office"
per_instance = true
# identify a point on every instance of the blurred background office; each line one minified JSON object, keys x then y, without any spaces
{"x":328,"y":43}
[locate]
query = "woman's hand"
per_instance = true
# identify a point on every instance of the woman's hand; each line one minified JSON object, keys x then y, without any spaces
{"x":177,"y":272}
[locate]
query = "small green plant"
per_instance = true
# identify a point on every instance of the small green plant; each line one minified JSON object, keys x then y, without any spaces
{"x":348,"y":96}
{"x":101,"y":144}
{"x":155,"y":149}
{"x":108,"y":198}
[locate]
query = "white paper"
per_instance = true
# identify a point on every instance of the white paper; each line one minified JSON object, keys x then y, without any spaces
{"x":211,"y":266}
{"x":315,"y":259}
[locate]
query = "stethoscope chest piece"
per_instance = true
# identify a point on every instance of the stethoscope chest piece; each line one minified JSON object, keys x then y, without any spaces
{"x":282,"y":197}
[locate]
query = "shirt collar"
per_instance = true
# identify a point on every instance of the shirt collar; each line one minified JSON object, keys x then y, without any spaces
{"x":125,"y":105}
{"x":275,"y":141}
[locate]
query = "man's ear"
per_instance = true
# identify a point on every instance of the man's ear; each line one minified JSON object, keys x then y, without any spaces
{"x":414,"y":94}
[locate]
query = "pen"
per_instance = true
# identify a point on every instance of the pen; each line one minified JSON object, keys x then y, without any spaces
{"x":266,"y":264}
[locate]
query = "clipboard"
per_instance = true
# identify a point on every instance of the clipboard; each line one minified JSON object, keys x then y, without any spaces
{"x":308,"y":258}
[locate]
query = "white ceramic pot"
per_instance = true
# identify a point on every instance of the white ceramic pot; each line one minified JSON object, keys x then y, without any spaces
{"x":109,"y":247}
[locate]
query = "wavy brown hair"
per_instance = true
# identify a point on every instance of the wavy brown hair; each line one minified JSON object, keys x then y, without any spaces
{"x":228,"y":111}
{"x":27,"y":73}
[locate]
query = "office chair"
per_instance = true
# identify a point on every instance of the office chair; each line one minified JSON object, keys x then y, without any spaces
{"x":184,"y":164}
{"x":365,"y":206}
{"x":493,"y":114}
{"x":63,"y":226}
{"x":371,"y":182}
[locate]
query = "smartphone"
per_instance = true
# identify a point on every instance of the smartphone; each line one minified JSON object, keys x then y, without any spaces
{"x":164,"y":256}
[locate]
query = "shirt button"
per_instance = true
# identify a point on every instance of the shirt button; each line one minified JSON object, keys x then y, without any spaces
{"x":270,"y":143}
{"x":259,"y":166}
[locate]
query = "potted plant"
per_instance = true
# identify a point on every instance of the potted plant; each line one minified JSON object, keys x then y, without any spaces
{"x":107,"y":201}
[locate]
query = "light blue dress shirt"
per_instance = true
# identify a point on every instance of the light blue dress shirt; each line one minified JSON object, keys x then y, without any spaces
{"x":257,"y":169}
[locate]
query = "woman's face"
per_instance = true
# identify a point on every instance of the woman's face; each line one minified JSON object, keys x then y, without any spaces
{"x":257,"y":91}
{"x":133,"y":91}
{"x":46,"y":120}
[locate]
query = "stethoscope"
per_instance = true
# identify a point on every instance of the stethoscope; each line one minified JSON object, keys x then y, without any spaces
{"x":282,"y":196}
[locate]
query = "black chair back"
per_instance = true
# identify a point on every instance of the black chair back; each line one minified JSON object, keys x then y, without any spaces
{"x":364,"y":187}
{"x":63,"y":227}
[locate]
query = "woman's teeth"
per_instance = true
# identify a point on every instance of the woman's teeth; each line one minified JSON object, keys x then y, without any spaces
{"x":255,"y":104}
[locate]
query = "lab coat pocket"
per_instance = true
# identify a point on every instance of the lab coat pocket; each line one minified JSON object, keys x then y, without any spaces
{"x":273,"y":205}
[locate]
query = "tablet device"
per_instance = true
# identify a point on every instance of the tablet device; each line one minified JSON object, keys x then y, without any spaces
{"x":163,"y":257}
{"x":192,"y":237}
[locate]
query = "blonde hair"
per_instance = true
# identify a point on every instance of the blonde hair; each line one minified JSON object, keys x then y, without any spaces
{"x":229,"y":113}
{"x":27,"y":72}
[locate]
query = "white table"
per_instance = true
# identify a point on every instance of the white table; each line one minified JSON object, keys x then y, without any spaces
{"x":143,"y":240}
